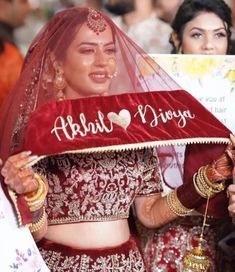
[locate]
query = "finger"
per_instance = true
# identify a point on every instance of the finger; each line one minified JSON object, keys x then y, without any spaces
{"x":0,"y":162}
{"x":19,"y":156}
{"x":25,"y":185}
{"x":17,"y":162}
{"x":231,"y":206}
{"x":232,"y":138}
{"x":17,"y":178}
{"x":231,"y":189}
{"x":231,"y":154}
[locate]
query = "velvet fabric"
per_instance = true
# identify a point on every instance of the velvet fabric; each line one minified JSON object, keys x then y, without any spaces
{"x":120,"y":122}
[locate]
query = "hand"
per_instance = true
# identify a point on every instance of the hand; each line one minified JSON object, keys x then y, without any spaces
{"x":17,"y":176}
{"x":231,"y":194}
{"x":221,"y":169}
{"x":231,"y":151}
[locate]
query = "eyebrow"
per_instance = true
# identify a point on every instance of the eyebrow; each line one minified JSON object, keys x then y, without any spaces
{"x":94,"y":44}
{"x":202,"y":29}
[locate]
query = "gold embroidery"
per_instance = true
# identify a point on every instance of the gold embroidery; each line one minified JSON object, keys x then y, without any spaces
{"x":84,"y":263}
{"x":97,"y":187}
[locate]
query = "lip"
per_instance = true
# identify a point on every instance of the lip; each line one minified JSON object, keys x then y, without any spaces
{"x":99,"y":77}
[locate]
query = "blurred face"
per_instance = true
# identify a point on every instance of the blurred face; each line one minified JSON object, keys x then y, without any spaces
{"x":119,"y":7}
{"x":166,"y":10}
{"x":90,"y":63}
{"x":17,"y":11}
{"x":205,"y":34}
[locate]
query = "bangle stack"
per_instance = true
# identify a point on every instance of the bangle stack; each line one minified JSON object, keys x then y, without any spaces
{"x":36,"y":226}
{"x":175,"y":205}
{"x":204,"y":186}
{"x":36,"y":200}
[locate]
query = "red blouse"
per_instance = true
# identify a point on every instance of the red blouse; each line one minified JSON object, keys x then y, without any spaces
{"x":98,"y":187}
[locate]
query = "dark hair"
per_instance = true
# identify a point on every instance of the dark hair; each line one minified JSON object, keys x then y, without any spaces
{"x":189,"y":9}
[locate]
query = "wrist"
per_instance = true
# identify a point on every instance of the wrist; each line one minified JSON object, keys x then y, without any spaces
{"x":39,"y":222}
{"x":36,"y":199}
{"x":175,"y":204}
{"x":194,"y":194}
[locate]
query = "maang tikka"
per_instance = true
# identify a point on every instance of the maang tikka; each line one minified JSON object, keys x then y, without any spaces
{"x":59,"y":83}
{"x":95,"y":21}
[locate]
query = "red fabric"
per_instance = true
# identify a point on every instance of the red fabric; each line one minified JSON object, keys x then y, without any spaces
{"x":71,"y":124}
{"x":25,"y":216}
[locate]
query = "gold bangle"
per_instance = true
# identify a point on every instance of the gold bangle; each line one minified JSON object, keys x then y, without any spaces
{"x":216,"y":186}
{"x":204,"y":186}
{"x":34,"y":227}
{"x":36,"y":200}
{"x":175,"y":205}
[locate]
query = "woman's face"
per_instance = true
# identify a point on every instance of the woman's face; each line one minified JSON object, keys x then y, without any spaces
{"x":205,"y":34}
{"x":89,"y":63}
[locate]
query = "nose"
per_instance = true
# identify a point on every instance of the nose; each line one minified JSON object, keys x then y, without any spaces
{"x":208,"y":44}
{"x":100,"y":58}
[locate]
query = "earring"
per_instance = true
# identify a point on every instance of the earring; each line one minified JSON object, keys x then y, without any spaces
{"x":59,"y":84}
{"x":179,"y":50}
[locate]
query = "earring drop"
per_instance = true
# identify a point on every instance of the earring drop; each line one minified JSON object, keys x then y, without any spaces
{"x":59,"y":84}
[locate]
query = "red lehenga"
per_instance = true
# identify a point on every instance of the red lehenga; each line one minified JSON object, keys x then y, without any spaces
{"x":164,"y":248}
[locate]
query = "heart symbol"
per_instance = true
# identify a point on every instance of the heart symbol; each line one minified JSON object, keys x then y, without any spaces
{"x":122,"y":119}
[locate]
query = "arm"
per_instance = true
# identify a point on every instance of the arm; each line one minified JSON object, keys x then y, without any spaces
{"x":231,"y":188}
{"x":231,"y":192}
{"x":155,"y":211}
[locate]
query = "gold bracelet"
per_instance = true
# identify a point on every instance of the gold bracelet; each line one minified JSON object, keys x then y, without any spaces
{"x":217,"y":187}
{"x":203,"y":189}
{"x":204,"y":186}
{"x":36,"y":200}
{"x":34,"y":227}
{"x":175,"y":205}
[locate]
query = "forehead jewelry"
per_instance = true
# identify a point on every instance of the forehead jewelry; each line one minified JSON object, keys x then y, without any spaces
{"x":95,"y":21}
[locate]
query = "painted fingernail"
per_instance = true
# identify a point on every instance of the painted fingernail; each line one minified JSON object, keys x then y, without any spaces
{"x":27,"y":153}
{"x":32,"y":158}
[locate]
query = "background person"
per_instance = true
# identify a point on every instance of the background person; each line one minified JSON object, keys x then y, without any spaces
{"x":202,"y":27}
{"x":139,"y":21}
{"x":199,"y":27}
{"x":12,"y":15}
{"x":166,"y":10}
